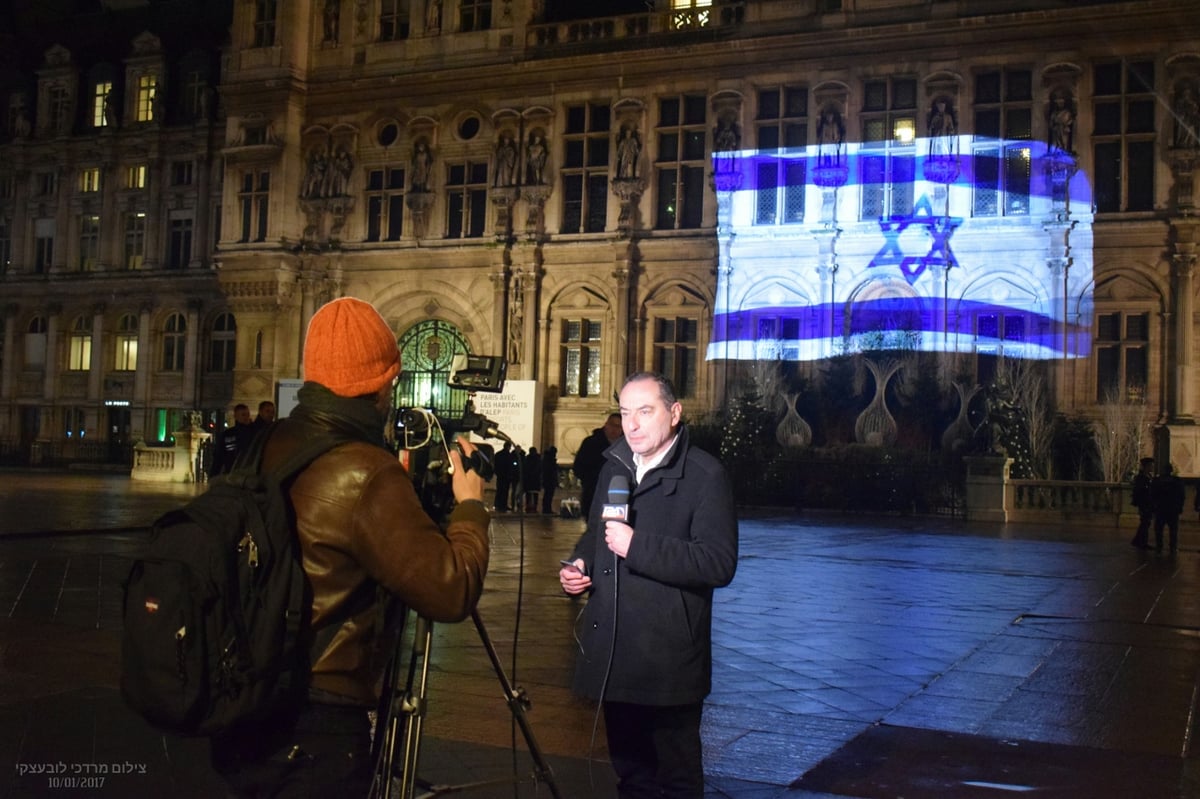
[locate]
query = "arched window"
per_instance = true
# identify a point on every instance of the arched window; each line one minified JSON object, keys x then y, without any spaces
{"x":426,"y":351}
{"x":35,"y":343}
{"x":125,"y":358}
{"x":222,"y":344}
{"x":174,"y":337}
{"x":79,"y":354}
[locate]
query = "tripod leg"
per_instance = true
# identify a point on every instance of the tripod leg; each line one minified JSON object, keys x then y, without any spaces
{"x":403,"y":709}
{"x":415,"y":706}
{"x":517,"y":702}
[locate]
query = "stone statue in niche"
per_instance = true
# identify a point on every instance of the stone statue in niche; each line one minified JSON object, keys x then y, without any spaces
{"x":629,"y":148}
{"x":1187,"y":117}
{"x":726,"y":138}
{"x":1062,"y":121}
{"x":433,"y":16}
{"x":831,"y":137}
{"x":315,"y":175}
{"x":535,"y":159}
{"x":330,"y":17}
{"x":506,"y":161}
{"x":943,"y":127}
{"x":422,"y":165}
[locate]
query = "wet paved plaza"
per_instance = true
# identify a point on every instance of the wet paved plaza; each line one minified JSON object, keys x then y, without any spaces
{"x":854,"y":656}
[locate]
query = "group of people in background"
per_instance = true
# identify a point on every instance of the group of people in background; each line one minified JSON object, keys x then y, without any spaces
{"x":526,"y":482}
{"x":229,"y":441}
{"x":1159,"y":499}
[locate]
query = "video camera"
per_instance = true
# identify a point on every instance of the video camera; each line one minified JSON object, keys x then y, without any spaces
{"x":415,"y":427}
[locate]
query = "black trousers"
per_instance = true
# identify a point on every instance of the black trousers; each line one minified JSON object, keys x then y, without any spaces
{"x":318,"y":751}
{"x":655,"y":751}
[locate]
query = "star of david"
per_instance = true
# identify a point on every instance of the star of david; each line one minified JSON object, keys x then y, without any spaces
{"x":940,"y":229}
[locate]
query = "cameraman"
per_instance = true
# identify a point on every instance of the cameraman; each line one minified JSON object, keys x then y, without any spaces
{"x":361,"y":529}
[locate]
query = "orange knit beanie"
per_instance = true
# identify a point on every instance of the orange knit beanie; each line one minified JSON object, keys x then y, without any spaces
{"x":349,"y":349}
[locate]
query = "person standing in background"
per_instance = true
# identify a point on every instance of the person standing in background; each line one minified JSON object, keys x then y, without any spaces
{"x":549,"y":477}
{"x":589,"y":459}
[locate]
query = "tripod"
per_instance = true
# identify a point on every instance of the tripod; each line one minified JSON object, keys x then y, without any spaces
{"x":405,"y":715}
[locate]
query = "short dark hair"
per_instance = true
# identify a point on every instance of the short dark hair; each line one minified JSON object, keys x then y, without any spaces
{"x":666,"y":391}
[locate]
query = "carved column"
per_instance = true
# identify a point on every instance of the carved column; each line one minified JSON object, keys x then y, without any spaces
{"x":499,"y":278}
{"x":6,"y":351}
{"x":141,"y":378}
{"x":1058,"y":261}
{"x":1185,"y":369}
{"x":533,"y":282}
{"x":96,"y":367}
{"x":191,"y":354}
{"x":50,"y":375}
{"x":622,"y":275}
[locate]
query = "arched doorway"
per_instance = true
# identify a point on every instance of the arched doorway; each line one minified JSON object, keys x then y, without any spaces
{"x":426,"y":352}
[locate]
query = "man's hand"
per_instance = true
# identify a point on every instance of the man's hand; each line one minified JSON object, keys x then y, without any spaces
{"x":465,"y":484}
{"x":618,"y":535}
{"x":572,"y":579}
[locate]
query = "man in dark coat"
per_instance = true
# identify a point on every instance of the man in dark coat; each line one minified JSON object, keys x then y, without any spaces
{"x":549,"y":477}
{"x":506,"y":467}
{"x":232,"y":440}
{"x":1144,"y":502}
{"x":1168,"y":494}
{"x":646,"y":631}
{"x":589,"y":459}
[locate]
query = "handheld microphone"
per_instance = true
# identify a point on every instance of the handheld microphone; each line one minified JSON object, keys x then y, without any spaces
{"x":617,"y":507}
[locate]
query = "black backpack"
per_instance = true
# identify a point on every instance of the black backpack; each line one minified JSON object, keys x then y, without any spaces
{"x":216,"y":610}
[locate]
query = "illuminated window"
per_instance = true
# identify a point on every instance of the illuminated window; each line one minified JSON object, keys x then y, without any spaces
{"x":174,"y":338}
{"x":135,"y":240}
{"x":1002,"y":158}
{"x":264,"y":23}
{"x":222,"y":344}
{"x":89,"y":179}
{"x":101,"y":97}
{"x":135,"y":176}
{"x":79,"y":345}
{"x":385,"y":204}
{"x":1123,"y":135}
{"x":147,"y":93}
{"x":681,"y":164}
{"x":393,"y":20}
{"x":125,"y":358}
{"x":690,"y":13}
{"x":475,"y":15}
{"x":466,"y":199}
{"x":781,"y":126}
{"x":254,"y":198}
{"x":89,"y":242}
{"x":585,"y":168}
{"x":675,"y":352}
{"x":1122,"y":356}
{"x":886,"y":163}
{"x":580,"y":354}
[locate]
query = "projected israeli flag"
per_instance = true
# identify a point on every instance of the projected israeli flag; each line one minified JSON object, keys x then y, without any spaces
{"x":961,"y":245}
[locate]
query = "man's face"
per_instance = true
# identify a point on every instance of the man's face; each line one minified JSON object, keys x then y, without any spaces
{"x":267,"y":412}
{"x":648,"y":422}
{"x":241,"y":416}
{"x":612,"y":428}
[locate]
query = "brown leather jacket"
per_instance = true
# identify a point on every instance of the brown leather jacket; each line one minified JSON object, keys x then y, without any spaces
{"x":361,"y":527}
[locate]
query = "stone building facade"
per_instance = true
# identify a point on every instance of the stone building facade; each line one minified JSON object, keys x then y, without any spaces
{"x":680,"y":188}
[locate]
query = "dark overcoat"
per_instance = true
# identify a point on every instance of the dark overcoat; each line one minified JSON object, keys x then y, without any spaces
{"x":659,"y":597}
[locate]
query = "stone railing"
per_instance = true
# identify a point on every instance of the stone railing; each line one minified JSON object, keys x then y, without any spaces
{"x":634,"y":25}
{"x":174,"y":464}
{"x":992,"y":495}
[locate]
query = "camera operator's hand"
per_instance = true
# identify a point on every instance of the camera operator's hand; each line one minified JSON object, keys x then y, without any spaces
{"x":466,"y":484}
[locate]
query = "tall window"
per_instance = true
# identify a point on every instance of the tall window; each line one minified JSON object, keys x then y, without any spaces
{"x":59,"y":107}
{"x":1123,"y":137}
{"x":675,"y":352}
{"x":179,"y":244}
{"x":1122,"y":357}
{"x":585,"y":168}
{"x":89,"y":242}
{"x":74,"y":422}
{"x":264,"y":23}
{"x":135,"y":240}
{"x":466,"y":195}
{"x":125,"y":357}
{"x":1003,"y":128}
{"x":135,"y":176}
{"x":45,"y":184}
{"x":781,"y":126}
{"x":5,"y":246}
{"x":147,"y":93}
{"x":174,"y":338}
{"x":79,"y":345}
{"x":475,"y":15}
{"x":43,"y":245}
{"x":393,"y":20}
{"x":101,"y":97}
{"x":195,"y":94}
{"x":89,"y":179}
{"x":181,"y":173}
{"x":385,"y":204}
{"x":997,"y":336}
{"x":681,"y":162}
{"x":222,"y":344}
{"x":35,"y":342}
{"x":886,"y":162}
{"x":254,"y":196}
{"x":580,"y":351}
